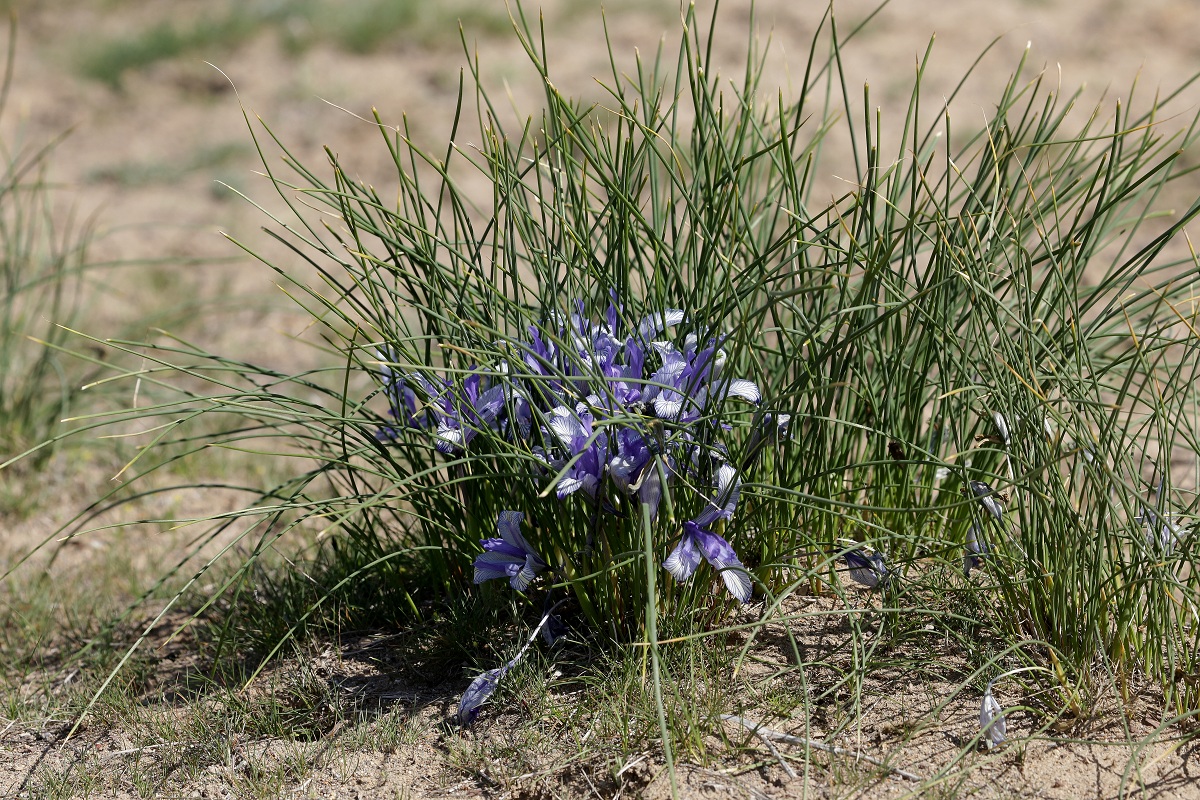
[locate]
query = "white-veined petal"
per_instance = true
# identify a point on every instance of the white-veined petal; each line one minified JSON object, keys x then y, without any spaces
{"x":746,"y":390}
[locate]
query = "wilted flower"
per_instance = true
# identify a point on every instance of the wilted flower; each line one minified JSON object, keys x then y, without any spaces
{"x":986,"y":496}
{"x":508,"y":556}
{"x":1160,"y":530}
{"x":1002,"y":428}
{"x":869,"y":570}
{"x":478,"y":692}
{"x":991,"y":719}
{"x":976,"y":549}
{"x":482,"y":687}
{"x":554,"y":629}
{"x":697,"y":541}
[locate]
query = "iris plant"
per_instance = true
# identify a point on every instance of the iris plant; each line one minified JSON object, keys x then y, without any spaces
{"x":593,"y":401}
{"x":617,"y":414}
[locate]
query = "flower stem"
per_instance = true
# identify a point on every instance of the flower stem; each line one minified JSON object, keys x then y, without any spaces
{"x":652,"y":638}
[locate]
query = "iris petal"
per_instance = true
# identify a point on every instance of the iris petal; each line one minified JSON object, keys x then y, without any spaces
{"x":746,"y":390}
{"x":684,"y":559}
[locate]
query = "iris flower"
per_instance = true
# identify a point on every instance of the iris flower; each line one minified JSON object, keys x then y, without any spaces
{"x":697,"y":541}
{"x":509,"y":555}
{"x":635,"y":469}
{"x":687,"y":382}
{"x":587,"y":453}
{"x":869,"y":570}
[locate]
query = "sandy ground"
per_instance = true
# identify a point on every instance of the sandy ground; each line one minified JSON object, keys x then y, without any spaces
{"x":147,"y":163}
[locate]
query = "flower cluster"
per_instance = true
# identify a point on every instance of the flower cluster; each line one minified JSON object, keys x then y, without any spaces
{"x":615,"y":414}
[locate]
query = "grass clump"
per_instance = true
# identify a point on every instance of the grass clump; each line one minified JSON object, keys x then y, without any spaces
{"x":964,"y":380}
{"x":42,"y":261}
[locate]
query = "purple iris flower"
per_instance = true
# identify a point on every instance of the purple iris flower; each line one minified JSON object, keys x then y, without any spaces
{"x":461,"y":416}
{"x":520,"y":415}
{"x":543,"y":360}
{"x":723,"y":503}
{"x":509,"y":555}
{"x":580,"y":357}
{"x":587,"y":452}
{"x":654,"y":324}
{"x":635,"y":469}
{"x":687,"y":382}
{"x":604,"y":356}
{"x":697,"y":541}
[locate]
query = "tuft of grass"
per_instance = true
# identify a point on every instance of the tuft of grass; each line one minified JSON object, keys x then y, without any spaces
{"x":43,"y":259}
{"x":108,"y":62}
{"x":1005,"y":305}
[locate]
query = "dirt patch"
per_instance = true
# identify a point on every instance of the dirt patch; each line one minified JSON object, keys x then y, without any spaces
{"x":353,"y":718}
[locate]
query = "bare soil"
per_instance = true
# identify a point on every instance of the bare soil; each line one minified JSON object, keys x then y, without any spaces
{"x":147,"y":163}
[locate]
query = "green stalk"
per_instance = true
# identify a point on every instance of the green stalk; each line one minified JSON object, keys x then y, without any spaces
{"x":652,"y":638}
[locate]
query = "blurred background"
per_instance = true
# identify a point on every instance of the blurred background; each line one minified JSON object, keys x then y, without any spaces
{"x":150,"y":96}
{"x":149,"y":107}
